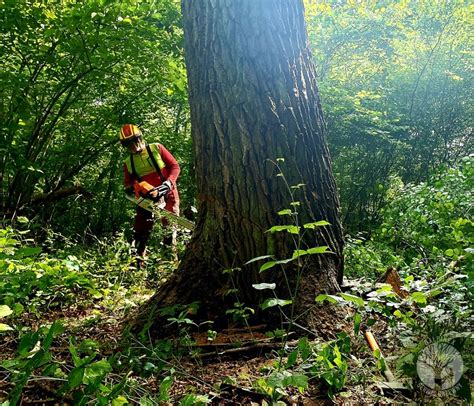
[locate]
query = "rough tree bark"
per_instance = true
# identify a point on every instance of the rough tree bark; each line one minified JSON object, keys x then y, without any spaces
{"x":253,"y":98}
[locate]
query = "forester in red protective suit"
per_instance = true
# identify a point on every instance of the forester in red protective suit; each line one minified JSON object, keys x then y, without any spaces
{"x":152,"y":164}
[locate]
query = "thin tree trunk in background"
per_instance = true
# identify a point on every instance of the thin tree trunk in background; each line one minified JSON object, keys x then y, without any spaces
{"x":253,"y":98}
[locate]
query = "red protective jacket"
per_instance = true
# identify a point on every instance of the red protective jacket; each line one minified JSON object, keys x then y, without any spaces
{"x":170,"y":171}
{"x":144,"y":219}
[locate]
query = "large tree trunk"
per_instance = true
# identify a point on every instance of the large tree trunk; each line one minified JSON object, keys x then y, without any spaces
{"x":253,"y":98}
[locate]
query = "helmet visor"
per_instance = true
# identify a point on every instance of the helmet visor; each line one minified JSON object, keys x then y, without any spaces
{"x":131,"y":140}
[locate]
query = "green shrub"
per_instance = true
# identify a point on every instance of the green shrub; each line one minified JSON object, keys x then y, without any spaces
{"x":434,"y":219}
{"x":30,"y":277}
{"x":367,"y":258}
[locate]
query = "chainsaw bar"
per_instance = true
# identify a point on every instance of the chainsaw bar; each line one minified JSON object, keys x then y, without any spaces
{"x":159,"y":210}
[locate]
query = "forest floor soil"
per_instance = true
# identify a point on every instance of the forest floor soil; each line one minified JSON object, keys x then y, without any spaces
{"x":225,"y":369}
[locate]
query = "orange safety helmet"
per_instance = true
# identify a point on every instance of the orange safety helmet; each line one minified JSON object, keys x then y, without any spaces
{"x":129,"y":133}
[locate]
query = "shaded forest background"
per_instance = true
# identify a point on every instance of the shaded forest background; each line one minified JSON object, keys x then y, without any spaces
{"x":394,"y":80}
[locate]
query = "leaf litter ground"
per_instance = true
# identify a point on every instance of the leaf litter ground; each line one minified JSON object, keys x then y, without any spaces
{"x":224,"y":370}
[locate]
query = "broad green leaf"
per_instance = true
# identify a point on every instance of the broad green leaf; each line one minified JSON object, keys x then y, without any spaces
{"x":194,"y":400}
{"x":267,"y":265}
{"x":120,"y":401}
{"x":27,"y":251}
{"x":5,"y":327}
{"x":304,"y":348}
{"x":418,"y":297}
{"x":275,"y":380}
{"x":384,"y":289}
{"x":271,"y":264}
{"x":357,"y":322}
{"x":320,"y":223}
{"x":5,"y":311}
{"x":284,"y":212}
{"x":284,"y":261}
{"x":288,"y":228}
{"x":263,"y":286}
{"x":434,"y":292}
{"x":299,"y":381}
{"x":95,"y":372}
{"x":299,"y":253}
{"x":27,"y":343}
{"x":74,"y":378}
{"x":165,"y":386}
{"x":330,"y":298}
{"x":55,"y":329}
{"x":275,"y":302}
{"x":318,"y":250}
{"x":292,"y":359}
{"x":353,"y":299}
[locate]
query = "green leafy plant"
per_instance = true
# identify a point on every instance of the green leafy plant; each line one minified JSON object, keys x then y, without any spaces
{"x":433,"y":220}
{"x":301,"y":252}
{"x":30,"y":277}
{"x":4,"y":312}
{"x":33,"y":353}
{"x":277,"y":382}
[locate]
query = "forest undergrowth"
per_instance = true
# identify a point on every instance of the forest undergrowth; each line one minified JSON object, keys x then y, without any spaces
{"x":64,"y":306}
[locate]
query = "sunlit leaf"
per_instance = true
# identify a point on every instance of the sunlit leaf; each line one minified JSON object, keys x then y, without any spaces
{"x":258,"y":259}
{"x":5,"y":311}
{"x":316,"y":224}
{"x":263,"y":286}
{"x":5,"y":327}
{"x":275,"y":302}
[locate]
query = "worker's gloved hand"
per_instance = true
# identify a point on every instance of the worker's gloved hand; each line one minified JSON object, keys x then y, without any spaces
{"x":164,"y":188}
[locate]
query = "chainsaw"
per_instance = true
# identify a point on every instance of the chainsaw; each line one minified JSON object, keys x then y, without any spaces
{"x":158,"y":208}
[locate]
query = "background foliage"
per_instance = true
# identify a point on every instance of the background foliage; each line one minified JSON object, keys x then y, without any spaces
{"x":73,"y":72}
{"x":395,"y":80}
